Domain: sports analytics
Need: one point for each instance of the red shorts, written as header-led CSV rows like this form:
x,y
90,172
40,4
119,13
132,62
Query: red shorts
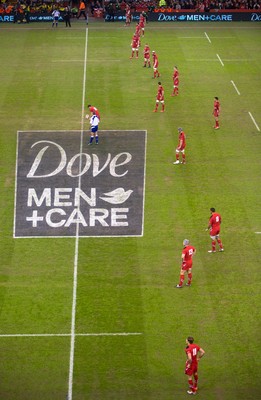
x,y
181,148
186,265
193,369
160,98
214,232
216,113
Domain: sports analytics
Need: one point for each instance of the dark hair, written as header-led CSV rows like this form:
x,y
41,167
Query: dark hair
x,y
190,339
212,209
216,98
159,83
89,105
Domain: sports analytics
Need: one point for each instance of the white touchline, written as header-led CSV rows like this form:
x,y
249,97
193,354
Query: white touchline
x,y
236,89
258,233
253,119
221,62
207,37
75,272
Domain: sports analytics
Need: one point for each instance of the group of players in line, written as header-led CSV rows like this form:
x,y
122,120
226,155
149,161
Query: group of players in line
x,y
135,45
193,351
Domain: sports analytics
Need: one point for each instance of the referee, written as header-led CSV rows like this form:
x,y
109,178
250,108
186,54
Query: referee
x,y
94,122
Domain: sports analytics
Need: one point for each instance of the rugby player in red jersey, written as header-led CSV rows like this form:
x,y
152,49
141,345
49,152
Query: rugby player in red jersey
x,y
186,263
181,147
135,46
194,353
94,110
142,23
160,98
146,54
216,112
175,78
214,227
155,62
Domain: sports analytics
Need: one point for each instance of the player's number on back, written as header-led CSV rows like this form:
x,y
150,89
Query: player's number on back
x,y
194,352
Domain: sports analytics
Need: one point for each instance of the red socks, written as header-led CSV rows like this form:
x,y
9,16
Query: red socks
x,y
220,243
181,280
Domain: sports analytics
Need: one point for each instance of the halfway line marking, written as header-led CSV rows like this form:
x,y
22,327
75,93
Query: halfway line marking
x,y
221,62
62,61
69,334
253,119
207,37
75,269
236,89
96,60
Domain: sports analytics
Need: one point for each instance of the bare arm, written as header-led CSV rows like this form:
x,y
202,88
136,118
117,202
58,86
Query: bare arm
x,y
201,353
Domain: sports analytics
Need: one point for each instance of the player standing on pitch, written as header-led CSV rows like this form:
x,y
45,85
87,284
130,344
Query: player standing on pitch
x,y
155,62
181,147
175,78
186,263
216,112
194,353
94,110
135,46
214,227
146,54
160,98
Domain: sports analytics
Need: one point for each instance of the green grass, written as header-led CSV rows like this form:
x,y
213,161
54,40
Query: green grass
x,y
128,284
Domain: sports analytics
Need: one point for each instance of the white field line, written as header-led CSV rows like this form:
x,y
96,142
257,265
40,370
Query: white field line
x,y
75,272
223,37
207,37
69,334
236,89
70,37
221,62
202,60
63,61
237,59
191,37
254,122
81,61
258,233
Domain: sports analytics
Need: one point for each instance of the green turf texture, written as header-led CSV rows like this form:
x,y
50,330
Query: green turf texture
x,y
128,284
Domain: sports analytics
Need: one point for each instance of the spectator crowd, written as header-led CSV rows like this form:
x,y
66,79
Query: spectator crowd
x,y
47,6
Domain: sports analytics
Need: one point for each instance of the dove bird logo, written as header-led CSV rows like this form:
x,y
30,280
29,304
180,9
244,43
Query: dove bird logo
x,y
117,196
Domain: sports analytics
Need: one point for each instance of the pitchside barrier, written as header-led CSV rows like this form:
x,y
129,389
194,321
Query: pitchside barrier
x,y
181,16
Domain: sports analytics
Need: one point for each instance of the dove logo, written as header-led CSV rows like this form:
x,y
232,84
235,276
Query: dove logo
x,y
117,196
73,164
97,192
